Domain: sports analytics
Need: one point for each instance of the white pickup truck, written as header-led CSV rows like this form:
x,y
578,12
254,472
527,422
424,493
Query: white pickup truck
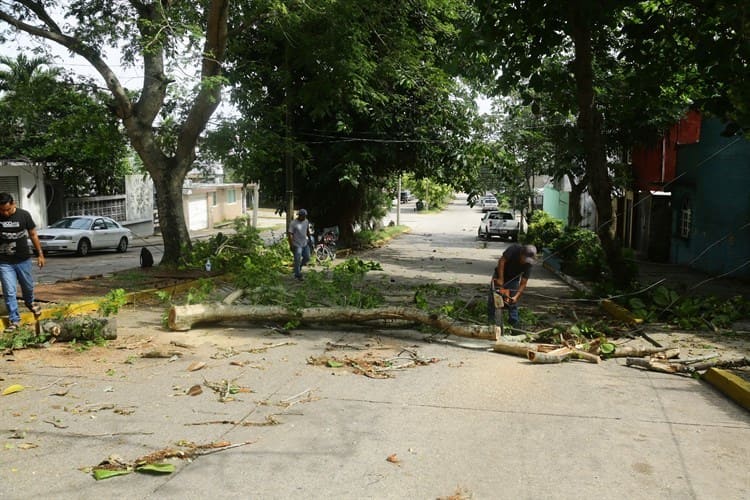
x,y
501,224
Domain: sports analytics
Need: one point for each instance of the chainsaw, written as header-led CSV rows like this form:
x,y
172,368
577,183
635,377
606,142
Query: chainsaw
x,y
501,296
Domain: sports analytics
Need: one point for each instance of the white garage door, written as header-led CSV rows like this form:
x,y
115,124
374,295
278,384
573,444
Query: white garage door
x,y
197,214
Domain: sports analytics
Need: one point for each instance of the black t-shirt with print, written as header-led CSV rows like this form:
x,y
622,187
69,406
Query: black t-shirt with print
x,y
14,236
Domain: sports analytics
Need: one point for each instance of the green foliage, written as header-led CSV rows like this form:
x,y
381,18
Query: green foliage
x,y
689,313
353,94
435,195
543,230
201,292
113,301
40,107
21,338
341,285
368,238
581,253
425,295
243,253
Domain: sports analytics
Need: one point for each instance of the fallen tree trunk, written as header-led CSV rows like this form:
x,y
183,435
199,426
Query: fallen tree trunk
x,y
182,318
80,328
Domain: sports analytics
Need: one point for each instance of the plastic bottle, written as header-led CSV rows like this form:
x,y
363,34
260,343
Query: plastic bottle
x,y
208,265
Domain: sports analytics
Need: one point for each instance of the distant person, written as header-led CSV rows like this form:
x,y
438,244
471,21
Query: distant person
x,y
511,276
16,229
299,237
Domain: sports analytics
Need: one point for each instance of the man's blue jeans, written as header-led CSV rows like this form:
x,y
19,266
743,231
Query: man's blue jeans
x,y
511,285
9,275
301,257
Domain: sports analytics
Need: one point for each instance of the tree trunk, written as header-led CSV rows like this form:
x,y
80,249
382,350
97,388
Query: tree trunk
x,y
182,318
574,201
590,123
171,215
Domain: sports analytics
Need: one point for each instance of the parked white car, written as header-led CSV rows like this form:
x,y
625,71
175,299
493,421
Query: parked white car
x,y
488,203
84,233
501,224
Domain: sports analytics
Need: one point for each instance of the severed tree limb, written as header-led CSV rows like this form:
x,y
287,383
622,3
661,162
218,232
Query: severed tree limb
x,y
521,348
560,355
234,296
625,351
182,318
676,366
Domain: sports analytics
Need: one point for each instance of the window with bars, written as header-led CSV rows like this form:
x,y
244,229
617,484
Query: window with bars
x,y
686,219
108,206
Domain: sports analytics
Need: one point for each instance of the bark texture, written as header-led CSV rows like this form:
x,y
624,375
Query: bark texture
x,y
182,318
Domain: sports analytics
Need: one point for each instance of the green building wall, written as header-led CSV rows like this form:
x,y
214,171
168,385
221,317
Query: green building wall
x,y
713,183
556,203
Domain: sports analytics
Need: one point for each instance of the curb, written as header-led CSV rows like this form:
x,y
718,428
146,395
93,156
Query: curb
x,y
91,306
732,386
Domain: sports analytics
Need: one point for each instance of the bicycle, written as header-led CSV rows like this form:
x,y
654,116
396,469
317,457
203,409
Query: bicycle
x,y
325,250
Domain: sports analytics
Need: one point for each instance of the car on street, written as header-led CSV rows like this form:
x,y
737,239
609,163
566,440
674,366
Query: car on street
x,y
83,233
500,224
488,203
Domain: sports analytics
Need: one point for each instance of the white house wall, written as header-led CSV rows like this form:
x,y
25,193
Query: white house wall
x,y
31,189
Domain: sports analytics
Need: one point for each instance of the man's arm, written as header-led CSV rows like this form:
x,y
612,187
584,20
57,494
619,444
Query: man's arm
x,y
500,281
521,288
38,246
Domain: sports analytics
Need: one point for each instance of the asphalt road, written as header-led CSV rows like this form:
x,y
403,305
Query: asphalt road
x,y
68,266
468,423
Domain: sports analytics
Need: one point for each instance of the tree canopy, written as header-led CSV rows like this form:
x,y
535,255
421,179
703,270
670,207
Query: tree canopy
x,y
349,93
65,125
162,122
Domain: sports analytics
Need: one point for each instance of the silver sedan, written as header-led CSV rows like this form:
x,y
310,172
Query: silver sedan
x,y
83,233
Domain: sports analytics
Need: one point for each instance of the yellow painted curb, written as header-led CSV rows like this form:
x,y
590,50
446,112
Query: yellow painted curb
x,y
620,313
90,306
732,386
83,307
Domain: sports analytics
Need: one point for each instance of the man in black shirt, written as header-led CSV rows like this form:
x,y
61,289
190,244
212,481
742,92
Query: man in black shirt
x,y
16,228
511,276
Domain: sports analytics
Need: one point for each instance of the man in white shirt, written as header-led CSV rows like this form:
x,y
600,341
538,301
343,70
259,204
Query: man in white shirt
x,y
298,236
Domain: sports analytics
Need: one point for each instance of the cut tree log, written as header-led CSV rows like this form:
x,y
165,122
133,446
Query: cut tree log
x,y
182,318
80,328
560,355
521,348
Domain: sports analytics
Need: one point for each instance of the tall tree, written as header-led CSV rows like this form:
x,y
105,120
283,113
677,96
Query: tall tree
x,y
510,46
159,34
350,93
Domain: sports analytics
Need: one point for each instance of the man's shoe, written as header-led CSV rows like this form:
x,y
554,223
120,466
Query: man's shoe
x,y
12,327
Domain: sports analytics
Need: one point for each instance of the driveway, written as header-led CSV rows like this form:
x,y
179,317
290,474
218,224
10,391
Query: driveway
x,y
463,423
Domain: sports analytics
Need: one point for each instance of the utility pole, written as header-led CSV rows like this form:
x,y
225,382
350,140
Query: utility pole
x,y
289,168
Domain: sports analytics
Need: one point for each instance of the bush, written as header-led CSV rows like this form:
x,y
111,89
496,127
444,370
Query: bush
x,y
543,230
581,253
